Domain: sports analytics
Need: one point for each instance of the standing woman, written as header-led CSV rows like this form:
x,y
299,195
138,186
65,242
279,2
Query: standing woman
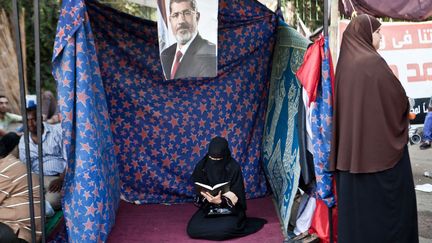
x,y
375,188
217,167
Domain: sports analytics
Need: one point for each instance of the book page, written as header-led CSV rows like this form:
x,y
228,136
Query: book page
x,y
219,185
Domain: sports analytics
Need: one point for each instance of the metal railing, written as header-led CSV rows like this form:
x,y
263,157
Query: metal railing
x,y
24,115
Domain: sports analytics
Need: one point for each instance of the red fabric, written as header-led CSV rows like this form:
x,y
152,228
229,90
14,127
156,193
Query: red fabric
x,y
320,222
309,72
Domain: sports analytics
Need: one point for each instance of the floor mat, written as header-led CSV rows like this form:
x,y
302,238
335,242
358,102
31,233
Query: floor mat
x,y
167,223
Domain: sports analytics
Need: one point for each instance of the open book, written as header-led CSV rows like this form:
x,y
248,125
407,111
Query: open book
x,y
224,187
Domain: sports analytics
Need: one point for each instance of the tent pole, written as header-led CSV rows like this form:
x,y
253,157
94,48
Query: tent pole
x,y
24,115
326,34
326,17
39,113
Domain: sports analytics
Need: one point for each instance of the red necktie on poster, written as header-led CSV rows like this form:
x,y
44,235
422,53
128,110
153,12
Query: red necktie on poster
x,y
179,55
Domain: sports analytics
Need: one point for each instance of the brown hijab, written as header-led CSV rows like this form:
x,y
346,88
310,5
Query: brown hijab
x,y
370,124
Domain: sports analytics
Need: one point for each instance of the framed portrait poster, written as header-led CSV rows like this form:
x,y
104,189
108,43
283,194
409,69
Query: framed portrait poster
x,y
187,32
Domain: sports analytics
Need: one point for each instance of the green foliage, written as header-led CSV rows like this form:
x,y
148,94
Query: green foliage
x,y
48,16
132,9
309,11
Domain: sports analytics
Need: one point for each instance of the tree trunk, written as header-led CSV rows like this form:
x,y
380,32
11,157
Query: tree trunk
x,y
333,30
9,83
289,13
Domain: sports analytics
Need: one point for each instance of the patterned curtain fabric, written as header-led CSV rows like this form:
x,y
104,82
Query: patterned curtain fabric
x,y
280,143
91,189
317,76
129,132
412,10
321,124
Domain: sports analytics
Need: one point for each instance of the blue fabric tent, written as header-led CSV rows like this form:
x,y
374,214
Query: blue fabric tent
x,y
129,133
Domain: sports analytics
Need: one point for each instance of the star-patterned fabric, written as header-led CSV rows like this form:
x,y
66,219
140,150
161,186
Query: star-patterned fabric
x,y
321,125
280,143
91,189
129,132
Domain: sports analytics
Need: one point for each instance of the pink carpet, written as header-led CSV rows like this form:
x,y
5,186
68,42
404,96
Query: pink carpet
x,y
167,223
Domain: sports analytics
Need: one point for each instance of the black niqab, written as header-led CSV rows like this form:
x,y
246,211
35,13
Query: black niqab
x,y
212,172
218,148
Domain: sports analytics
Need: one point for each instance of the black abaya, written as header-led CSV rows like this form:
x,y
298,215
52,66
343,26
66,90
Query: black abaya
x,y
212,172
383,204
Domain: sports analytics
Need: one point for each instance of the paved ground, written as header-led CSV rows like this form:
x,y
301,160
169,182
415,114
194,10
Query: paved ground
x,y
421,161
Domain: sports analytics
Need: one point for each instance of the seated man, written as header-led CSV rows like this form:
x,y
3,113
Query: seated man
x,y
427,129
6,118
14,198
54,162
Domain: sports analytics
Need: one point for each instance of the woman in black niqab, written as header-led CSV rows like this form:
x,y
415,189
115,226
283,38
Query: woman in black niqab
x,y
217,167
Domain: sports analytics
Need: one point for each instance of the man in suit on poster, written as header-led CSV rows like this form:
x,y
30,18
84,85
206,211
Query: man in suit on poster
x,y
191,56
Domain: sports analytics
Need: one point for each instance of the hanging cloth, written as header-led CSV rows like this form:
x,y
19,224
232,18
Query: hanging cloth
x,y
309,72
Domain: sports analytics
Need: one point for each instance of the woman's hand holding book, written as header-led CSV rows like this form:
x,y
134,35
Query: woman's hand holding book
x,y
212,199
